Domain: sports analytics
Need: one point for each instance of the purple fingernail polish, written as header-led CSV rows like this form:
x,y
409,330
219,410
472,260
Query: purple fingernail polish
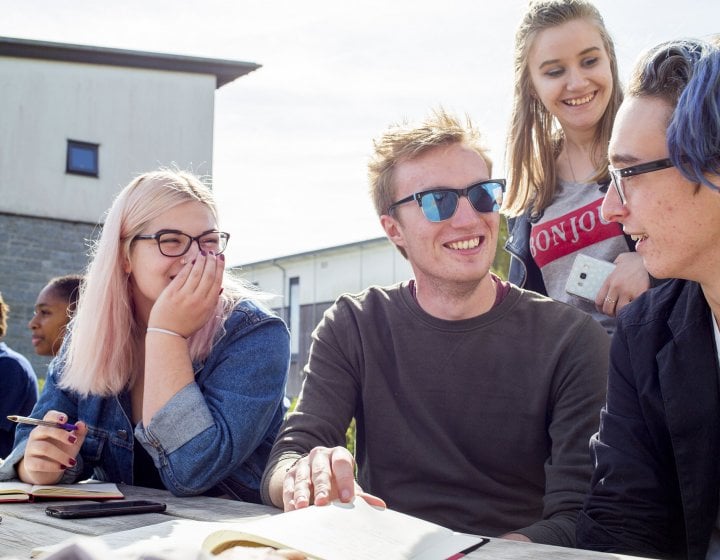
x,y
221,256
203,253
72,439
72,462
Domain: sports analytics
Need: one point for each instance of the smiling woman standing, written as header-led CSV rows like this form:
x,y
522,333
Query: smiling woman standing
x,y
54,306
567,92
173,372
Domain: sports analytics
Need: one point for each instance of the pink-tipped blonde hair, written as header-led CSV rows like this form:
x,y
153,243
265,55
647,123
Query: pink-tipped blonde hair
x,y
101,349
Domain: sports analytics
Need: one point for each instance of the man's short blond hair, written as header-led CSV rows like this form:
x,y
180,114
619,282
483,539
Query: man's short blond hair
x,y
406,141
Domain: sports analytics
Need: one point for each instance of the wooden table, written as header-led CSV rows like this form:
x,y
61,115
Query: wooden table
x,y
25,527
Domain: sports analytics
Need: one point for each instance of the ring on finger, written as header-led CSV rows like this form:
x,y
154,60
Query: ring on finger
x,y
610,300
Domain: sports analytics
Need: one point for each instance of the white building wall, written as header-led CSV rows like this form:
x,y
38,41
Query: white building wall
x,y
327,273
323,275
142,119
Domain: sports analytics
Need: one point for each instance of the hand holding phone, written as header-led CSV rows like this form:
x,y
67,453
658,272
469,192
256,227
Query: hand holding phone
x,y
587,276
119,507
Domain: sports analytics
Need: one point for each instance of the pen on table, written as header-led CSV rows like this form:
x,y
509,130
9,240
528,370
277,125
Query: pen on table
x,y
468,550
36,422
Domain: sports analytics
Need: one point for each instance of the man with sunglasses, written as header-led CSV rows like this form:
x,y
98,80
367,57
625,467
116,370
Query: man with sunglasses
x,y
655,490
474,400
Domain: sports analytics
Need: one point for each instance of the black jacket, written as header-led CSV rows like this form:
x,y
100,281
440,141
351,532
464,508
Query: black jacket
x,y
655,486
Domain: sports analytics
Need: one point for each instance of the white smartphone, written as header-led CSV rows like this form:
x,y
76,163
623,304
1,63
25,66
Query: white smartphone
x,y
586,276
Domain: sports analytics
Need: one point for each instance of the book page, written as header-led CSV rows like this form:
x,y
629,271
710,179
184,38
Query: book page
x,y
89,489
355,531
82,489
15,487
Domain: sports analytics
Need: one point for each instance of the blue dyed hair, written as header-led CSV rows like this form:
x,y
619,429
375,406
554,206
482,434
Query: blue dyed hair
x,y
686,74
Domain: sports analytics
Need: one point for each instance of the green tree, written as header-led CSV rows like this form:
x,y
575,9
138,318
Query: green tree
x,y
501,264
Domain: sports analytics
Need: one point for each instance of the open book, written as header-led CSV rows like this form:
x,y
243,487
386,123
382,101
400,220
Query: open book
x,y
355,531
16,491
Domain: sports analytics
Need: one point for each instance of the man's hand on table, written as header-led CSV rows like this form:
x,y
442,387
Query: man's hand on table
x,y
324,475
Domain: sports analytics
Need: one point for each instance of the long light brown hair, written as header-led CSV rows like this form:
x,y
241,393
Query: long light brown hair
x,y
535,138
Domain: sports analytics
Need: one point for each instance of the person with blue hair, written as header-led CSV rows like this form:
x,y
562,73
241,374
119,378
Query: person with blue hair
x,y
656,486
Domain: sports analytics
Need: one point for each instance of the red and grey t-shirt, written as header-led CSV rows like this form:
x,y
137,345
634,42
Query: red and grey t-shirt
x,y
573,224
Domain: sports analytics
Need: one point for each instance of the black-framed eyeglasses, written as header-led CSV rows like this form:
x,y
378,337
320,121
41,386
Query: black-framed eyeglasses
x,y
618,175
440,203
174,243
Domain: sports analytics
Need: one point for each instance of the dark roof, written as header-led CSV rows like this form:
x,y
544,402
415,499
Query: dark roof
x,y
225,71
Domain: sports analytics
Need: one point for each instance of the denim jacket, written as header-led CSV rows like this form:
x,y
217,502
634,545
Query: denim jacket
x,y
523,272
213,436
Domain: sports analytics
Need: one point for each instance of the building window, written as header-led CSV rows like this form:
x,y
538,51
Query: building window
x,y
82,158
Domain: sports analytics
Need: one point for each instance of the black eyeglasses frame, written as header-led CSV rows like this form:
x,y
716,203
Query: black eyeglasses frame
x,y
617,175
156,236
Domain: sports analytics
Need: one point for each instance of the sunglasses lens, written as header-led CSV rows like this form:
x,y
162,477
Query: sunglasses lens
x,y
487,197
439,205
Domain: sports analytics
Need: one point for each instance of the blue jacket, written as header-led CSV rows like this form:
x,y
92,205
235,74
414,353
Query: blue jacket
x,y
655,486
523,272
18,392
213,436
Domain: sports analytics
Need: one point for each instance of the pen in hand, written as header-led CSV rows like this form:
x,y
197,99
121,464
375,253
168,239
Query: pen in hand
x,y
36,422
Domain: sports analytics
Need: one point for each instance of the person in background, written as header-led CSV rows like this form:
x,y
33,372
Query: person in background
x,y
567,92
656,483
474,400
18,385
54,306
173,372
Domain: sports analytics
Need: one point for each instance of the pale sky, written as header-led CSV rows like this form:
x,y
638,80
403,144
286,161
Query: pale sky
x,y
292,139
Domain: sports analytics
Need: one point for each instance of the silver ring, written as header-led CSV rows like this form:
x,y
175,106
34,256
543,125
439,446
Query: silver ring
x,y
610,300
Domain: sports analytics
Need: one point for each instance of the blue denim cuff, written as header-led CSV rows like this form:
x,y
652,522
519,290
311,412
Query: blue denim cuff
x,y
7,466
170,429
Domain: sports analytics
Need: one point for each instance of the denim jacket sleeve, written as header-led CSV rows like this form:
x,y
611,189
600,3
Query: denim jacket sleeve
x,y
52,398
214,425
523,271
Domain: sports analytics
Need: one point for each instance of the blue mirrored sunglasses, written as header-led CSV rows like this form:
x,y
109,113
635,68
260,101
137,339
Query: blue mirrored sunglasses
x,y
441,203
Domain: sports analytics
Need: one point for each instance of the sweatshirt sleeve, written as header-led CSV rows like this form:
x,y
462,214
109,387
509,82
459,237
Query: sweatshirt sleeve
x,y
578,393
326,404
